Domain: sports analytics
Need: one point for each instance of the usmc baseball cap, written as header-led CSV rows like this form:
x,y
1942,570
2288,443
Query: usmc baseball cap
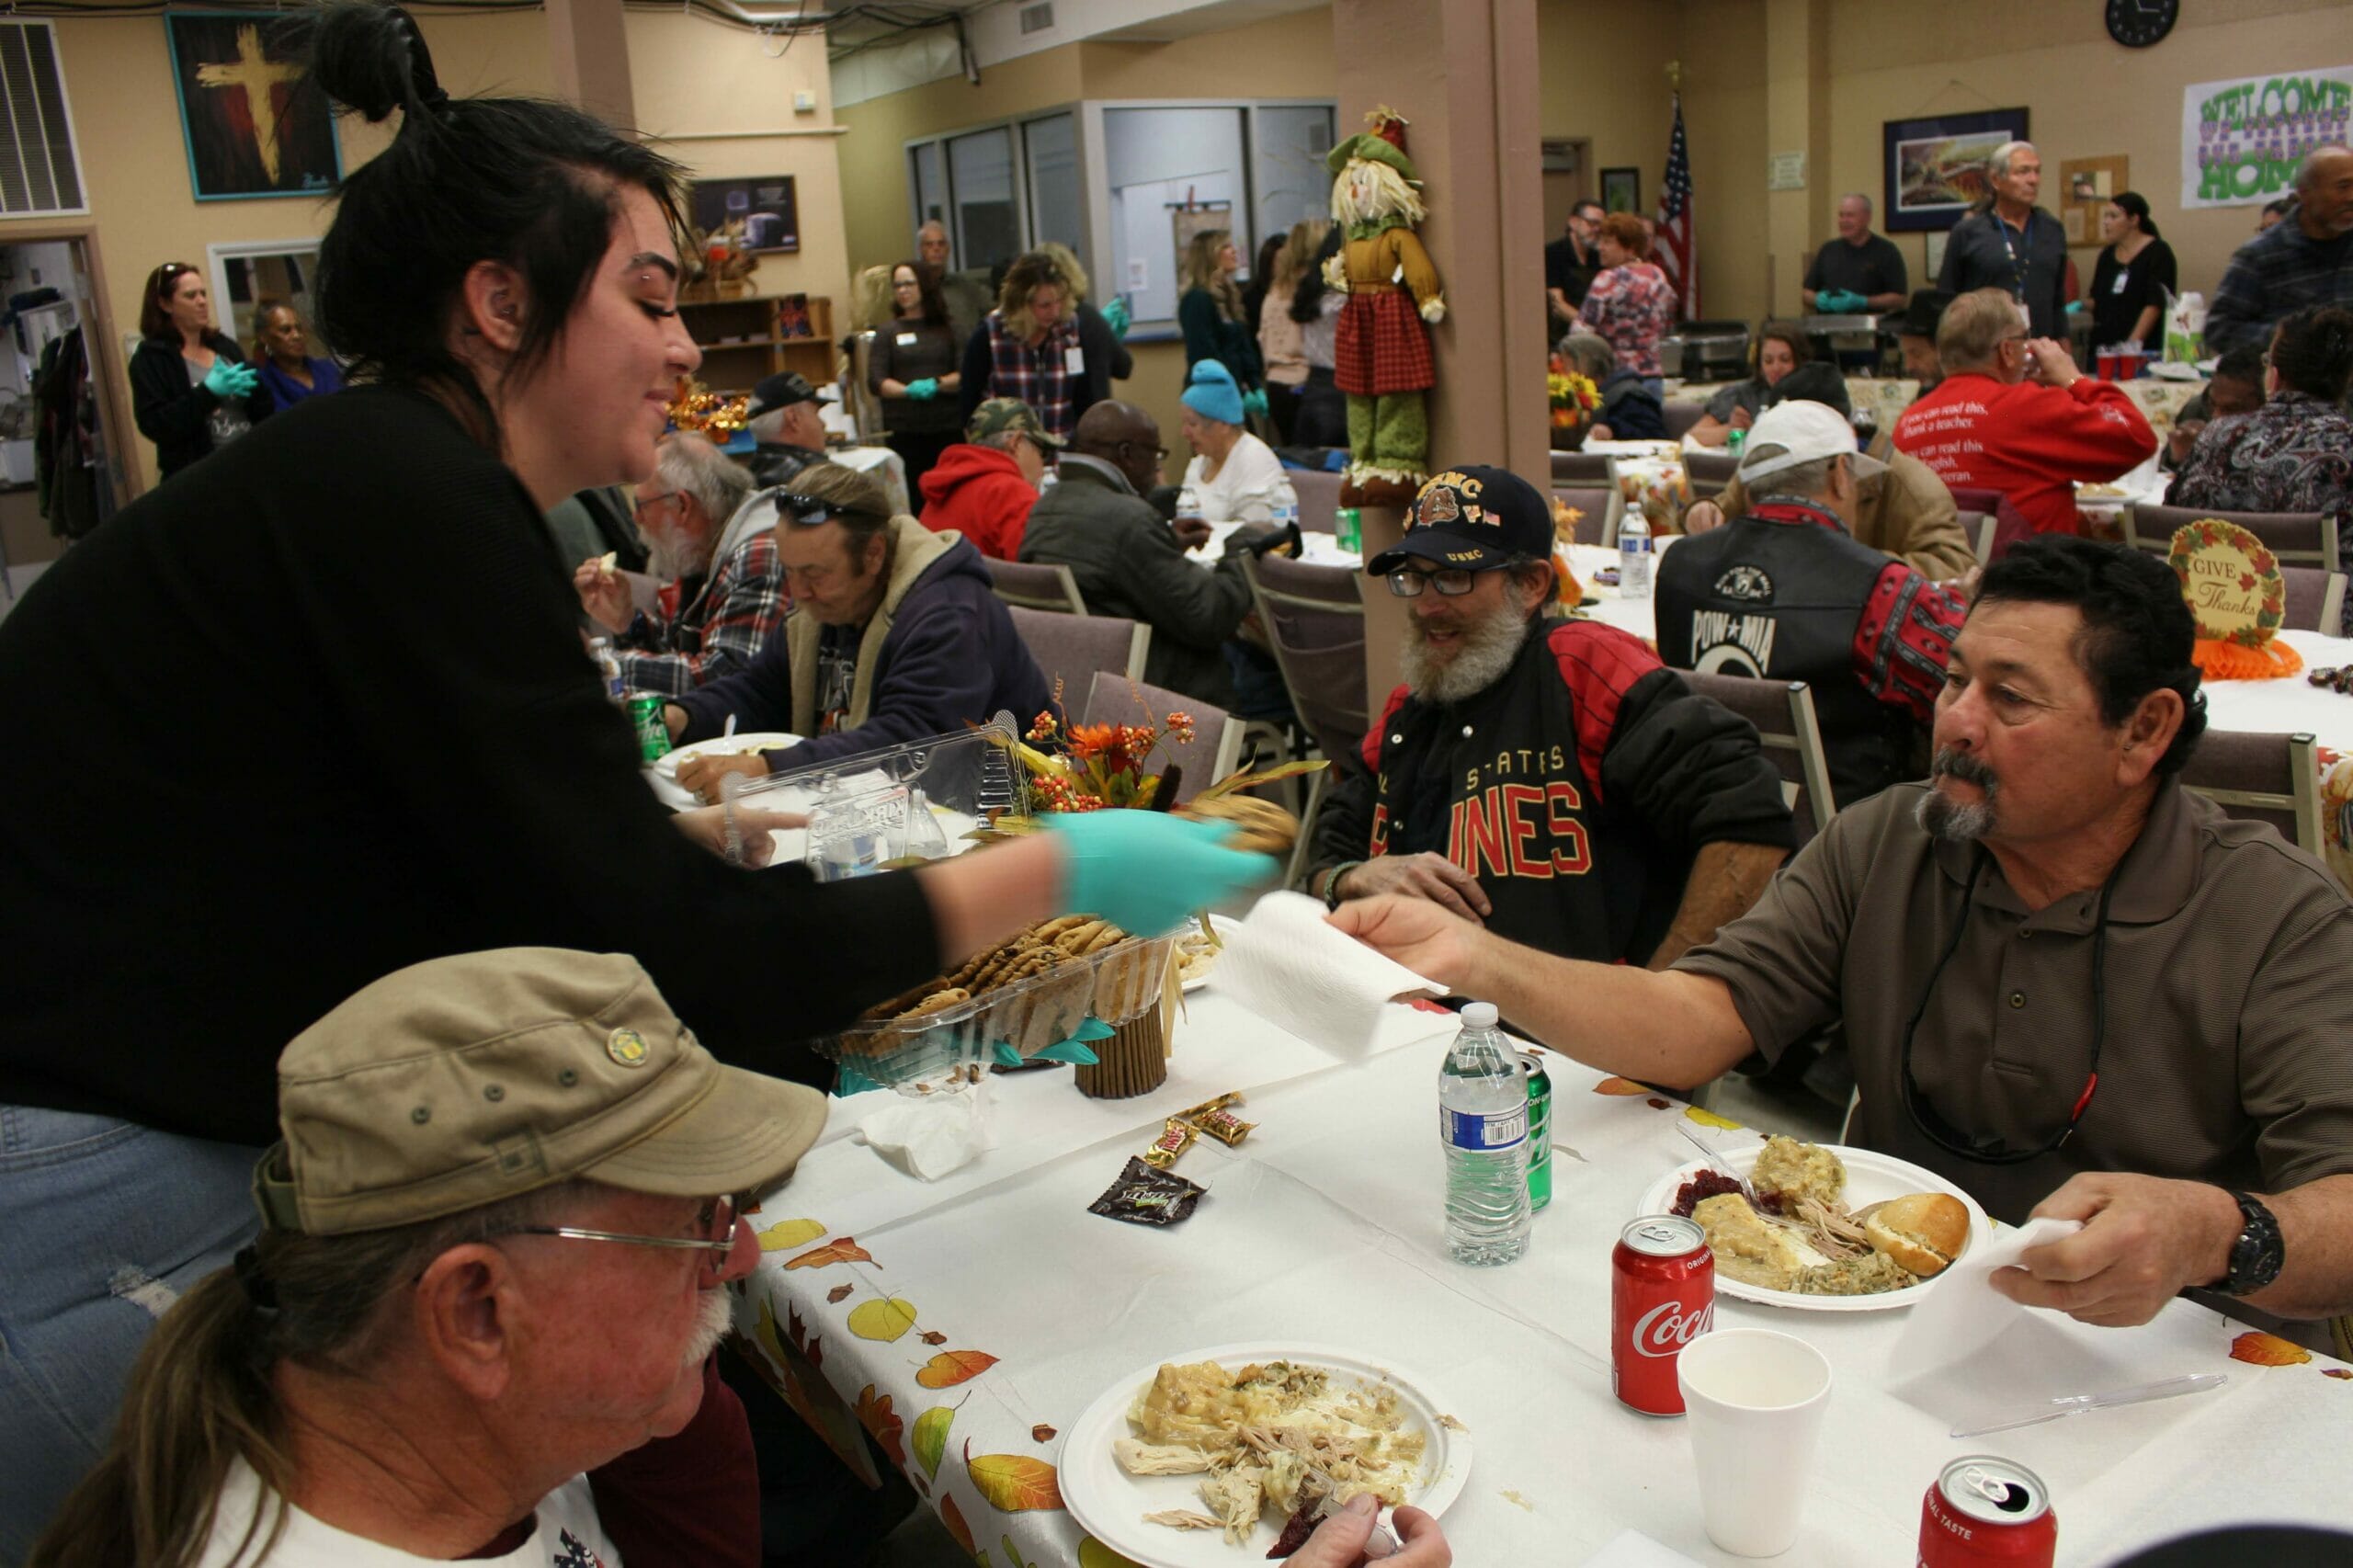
x,y
1794,432
1468,519
998,415
469,1080
779,391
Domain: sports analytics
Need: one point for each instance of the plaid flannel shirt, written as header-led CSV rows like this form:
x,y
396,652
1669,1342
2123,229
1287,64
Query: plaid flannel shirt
x,y
2274,275
1039,376
677,648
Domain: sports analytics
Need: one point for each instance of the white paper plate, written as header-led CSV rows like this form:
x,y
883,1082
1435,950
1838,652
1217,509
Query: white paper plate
x,y
1225,926
1109,1504
1871,1179
666,765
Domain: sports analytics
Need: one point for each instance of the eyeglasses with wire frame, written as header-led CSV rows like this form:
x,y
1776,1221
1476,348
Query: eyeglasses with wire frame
x,y
716,1220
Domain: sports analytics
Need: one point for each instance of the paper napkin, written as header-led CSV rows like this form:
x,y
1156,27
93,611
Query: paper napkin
x,y
1286,965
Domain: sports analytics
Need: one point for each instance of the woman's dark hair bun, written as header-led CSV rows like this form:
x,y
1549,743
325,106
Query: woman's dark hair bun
x,y
371,59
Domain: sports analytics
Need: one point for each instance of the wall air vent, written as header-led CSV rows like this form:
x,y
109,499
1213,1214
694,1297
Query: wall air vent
x,y
1036,18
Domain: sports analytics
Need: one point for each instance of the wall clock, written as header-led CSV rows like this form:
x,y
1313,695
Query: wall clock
x,y
2137,24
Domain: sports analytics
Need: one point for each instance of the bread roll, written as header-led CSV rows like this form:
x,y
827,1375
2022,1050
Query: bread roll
x,y
1921,1231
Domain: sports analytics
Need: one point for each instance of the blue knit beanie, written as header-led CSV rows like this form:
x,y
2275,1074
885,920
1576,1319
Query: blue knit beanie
x,y
1212,392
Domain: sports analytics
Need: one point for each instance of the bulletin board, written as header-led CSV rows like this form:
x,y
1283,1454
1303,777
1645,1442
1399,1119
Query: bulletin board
x,y
2086,184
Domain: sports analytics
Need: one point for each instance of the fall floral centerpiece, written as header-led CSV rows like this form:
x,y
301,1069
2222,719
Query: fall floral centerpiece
x,y
1113,767
1573,398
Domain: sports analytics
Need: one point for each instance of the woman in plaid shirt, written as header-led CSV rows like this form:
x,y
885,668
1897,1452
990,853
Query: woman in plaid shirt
x,y
1027,348
1631,305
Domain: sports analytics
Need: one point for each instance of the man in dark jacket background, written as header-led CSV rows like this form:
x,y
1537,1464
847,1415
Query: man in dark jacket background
x,y
786,434
1548,779
1128,559
896,633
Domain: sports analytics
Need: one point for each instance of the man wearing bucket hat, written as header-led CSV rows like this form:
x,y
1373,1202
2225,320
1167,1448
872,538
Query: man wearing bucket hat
x,y
493,1243
1786,591
1551,779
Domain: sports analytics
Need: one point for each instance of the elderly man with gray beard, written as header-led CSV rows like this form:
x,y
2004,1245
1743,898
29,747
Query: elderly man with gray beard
x,y
719,588
1548,777
2068,985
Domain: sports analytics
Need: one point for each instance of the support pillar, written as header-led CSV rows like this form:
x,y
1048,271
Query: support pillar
x,y
1465,76
588,52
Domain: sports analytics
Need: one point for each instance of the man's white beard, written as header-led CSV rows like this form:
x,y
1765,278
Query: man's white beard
x,y
669,559
718,1309
1489,645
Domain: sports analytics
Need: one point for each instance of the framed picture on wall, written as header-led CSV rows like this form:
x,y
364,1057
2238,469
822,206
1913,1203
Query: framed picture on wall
x,y
1934,169
764,204
1621,190
253,122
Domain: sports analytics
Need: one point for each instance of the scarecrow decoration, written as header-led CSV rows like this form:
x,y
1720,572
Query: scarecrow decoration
x,y
1382,351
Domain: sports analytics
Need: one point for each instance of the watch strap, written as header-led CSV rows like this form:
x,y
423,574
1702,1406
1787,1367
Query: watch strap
x,y
1332,883
2259,1254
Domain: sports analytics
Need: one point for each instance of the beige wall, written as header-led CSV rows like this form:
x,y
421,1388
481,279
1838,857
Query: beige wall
x,y
1723,122
690,75
2086,97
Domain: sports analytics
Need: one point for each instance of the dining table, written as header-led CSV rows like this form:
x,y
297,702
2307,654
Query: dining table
x,y
965,1325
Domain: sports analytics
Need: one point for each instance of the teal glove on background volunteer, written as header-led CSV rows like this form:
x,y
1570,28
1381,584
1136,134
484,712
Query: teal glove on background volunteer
x,y
1146,870
925,390
1255,402
1115,312
229,379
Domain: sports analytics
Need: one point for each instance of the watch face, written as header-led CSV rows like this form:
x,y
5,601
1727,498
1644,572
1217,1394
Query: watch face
x,y
2137,24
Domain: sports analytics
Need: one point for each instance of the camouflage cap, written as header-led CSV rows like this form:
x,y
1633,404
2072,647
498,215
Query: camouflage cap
x,y
999,414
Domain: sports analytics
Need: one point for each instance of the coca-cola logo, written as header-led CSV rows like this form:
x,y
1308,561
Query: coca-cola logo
x,y
1666,1329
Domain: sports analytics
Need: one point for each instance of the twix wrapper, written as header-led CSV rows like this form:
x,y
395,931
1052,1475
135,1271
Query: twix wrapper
x,y
1175,1139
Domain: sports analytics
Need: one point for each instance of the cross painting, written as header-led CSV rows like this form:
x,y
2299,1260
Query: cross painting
x,y
255,124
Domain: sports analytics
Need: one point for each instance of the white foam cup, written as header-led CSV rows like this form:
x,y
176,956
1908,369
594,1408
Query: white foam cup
x,y
1753,1401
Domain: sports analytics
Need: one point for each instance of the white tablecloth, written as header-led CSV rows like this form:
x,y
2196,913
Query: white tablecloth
x,y
1317,549
1327,1227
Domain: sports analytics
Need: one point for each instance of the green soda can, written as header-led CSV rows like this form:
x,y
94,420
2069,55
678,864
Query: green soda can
x,y
1348,525
1540,1131
652,731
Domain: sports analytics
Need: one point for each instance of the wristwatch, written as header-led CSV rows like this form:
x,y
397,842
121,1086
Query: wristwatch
x,y
2259,1254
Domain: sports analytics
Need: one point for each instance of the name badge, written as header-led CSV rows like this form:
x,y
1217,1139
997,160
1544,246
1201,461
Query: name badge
x,y
905,340
1074,361
2122,278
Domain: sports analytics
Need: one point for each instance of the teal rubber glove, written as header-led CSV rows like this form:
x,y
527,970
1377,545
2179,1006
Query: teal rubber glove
x,y
229,379
1144,872
1115,312
925,390
1255,402
2074,307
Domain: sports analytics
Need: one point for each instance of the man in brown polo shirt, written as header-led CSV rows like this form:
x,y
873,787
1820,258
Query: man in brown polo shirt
x,y
2067,986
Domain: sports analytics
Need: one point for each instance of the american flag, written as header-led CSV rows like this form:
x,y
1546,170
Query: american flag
x,y
1674,254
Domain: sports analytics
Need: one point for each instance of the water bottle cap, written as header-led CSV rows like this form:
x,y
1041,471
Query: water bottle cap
x,y
1479,1016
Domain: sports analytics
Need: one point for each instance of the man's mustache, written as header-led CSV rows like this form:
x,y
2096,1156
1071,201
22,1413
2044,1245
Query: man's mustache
x,y
1964,766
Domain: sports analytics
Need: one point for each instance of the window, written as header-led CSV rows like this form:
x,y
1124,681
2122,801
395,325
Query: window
x,y
40,170
1052,147
986,226
930,185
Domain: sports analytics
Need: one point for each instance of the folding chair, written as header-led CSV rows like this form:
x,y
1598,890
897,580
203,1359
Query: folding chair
x,y
2303,538
2267,778
1314,618
1215,749
2315,599
1783,714
1033,586
1071,648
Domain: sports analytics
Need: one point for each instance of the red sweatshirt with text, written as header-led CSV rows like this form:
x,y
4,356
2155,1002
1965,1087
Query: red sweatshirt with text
x,y
2026,441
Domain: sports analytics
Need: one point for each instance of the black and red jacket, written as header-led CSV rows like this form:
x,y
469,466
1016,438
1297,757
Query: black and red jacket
x,y
1576,788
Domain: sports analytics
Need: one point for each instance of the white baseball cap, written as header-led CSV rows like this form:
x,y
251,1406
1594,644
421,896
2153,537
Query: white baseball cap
x,y
1794,432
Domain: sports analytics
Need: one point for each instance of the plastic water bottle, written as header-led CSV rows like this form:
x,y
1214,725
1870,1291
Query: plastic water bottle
x,y
609,667
1634,556
1285,512
1483,1123
1189,502
1048,480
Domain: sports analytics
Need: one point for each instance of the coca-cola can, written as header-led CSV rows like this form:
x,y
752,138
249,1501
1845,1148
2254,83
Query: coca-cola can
x,y
1662,1296
1987,1510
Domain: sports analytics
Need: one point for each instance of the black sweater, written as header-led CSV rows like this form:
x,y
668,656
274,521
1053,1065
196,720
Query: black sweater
x,y
316,710
176,414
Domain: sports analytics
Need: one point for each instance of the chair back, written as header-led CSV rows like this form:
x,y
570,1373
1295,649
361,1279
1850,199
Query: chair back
x,y
1313,618
1593,505
1979,526
2301,539
1319,498
1783,714
1580,468
2315,600
1027,584
2011,526
1071,649
1682,417
1710,471
1215,749
2269,778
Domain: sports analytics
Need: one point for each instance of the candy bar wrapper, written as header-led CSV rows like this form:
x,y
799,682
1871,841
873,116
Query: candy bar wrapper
x,y
1231,1096
1145,1196
1175,1139
1224,1126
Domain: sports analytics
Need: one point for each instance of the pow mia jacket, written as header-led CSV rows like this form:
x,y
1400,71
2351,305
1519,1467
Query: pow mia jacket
x,y
1576,788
